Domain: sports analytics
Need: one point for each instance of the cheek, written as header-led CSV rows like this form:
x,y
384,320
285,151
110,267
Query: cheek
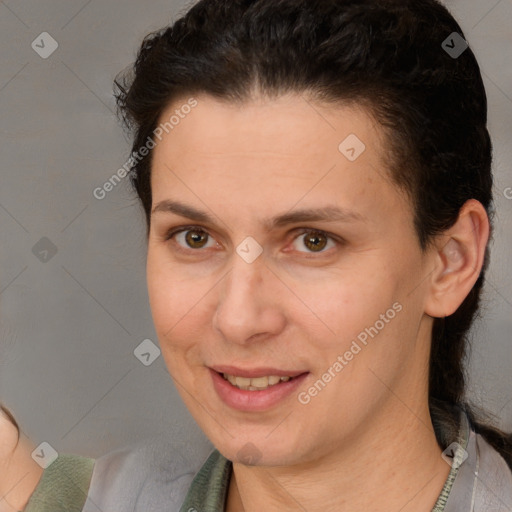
x,y
175,301
344,302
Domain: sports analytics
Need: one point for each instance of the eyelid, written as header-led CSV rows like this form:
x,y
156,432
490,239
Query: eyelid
x,y
301,231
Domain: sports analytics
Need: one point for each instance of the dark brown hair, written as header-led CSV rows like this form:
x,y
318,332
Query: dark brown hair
x,y
386,55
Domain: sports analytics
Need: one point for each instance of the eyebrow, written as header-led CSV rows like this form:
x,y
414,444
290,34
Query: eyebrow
x,y
325,214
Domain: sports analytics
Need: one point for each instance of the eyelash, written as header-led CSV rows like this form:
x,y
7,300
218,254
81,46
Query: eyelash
x,y
175,231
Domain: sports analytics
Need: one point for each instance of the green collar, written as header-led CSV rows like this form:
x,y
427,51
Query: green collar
x,y
63,486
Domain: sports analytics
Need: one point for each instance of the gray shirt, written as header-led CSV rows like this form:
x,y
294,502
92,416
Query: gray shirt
x,y
161,475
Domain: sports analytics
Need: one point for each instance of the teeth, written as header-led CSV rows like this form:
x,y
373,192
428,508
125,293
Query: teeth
x,y
255,384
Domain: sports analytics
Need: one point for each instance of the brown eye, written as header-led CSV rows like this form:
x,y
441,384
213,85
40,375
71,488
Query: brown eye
x,y
190,238
315,241
196,239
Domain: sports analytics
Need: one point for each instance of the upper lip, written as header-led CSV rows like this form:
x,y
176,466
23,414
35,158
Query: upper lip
x,y
256,372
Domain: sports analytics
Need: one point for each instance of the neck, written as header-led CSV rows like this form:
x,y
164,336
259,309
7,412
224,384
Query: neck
x,y
393,464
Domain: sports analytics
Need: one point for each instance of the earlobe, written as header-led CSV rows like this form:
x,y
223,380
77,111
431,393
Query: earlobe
x,y
459,258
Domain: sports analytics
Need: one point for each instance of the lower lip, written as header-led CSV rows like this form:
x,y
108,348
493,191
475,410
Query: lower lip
x,y
245,400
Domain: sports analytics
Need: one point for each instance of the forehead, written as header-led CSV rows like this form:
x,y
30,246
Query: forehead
x,y
272,151
288,125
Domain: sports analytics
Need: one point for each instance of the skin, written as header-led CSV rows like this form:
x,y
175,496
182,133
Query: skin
x,y
19,473
366,441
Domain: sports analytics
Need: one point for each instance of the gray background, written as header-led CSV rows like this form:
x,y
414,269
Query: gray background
x,y
69,326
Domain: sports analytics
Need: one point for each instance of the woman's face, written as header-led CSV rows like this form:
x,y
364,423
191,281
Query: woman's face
x,y
303,260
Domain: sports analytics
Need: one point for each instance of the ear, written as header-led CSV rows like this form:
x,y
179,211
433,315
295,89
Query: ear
x,y
459,256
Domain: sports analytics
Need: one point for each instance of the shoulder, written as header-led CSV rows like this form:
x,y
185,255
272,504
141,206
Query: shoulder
x,y
483,481
493,479
63,486
152,475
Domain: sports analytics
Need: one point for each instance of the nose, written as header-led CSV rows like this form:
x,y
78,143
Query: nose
x,y
248,303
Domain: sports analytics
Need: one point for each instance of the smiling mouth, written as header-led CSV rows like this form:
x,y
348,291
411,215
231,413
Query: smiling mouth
x,y
256,383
